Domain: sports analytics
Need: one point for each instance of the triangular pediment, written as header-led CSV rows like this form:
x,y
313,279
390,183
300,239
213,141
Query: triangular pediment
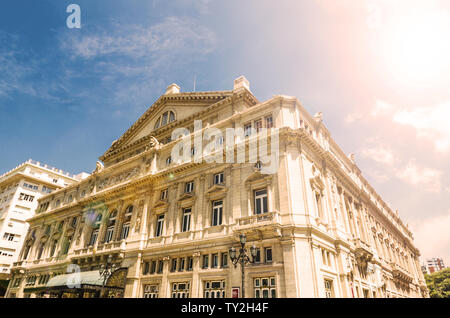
x,y
183,105
161,203
216,188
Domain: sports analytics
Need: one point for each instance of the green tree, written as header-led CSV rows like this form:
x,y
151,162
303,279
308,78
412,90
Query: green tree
x,y
439,283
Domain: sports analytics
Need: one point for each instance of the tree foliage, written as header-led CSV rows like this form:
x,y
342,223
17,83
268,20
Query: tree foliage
x,y
439,283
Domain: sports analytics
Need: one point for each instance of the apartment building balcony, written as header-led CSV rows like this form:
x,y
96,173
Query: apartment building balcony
x,y
266,222
401,274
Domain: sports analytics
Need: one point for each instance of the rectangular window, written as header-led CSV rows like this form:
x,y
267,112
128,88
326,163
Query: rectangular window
x,y
261,205
153,267
205,261
160,266
189,187
247,130
67,243
218,178
258,125
159,225
151,291
328,288
164,194
216,218
109,234
174,265
180,290
93,239
214,289
265,287
182,265
125,230
224,260
269,122
146,268
268,254
186,224
215,260
189,263
258,255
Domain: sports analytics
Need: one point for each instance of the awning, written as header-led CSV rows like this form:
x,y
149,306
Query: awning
x,y
74,280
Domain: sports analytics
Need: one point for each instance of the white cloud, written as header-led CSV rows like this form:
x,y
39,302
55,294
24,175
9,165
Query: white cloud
x,y
391,165
135,41
414,174
380,154
432,236
381,108
353,117
430,122
131,61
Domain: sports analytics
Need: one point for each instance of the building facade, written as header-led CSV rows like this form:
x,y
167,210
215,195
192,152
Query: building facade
x,y
319,228
433,265
20,190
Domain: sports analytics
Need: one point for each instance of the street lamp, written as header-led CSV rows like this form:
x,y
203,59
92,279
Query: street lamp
x,y
106,271
242,258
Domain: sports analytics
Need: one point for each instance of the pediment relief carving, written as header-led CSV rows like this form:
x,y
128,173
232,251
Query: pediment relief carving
x,y
258,179
118,178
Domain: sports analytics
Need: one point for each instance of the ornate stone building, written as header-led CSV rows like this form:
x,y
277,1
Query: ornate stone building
x,y
319,228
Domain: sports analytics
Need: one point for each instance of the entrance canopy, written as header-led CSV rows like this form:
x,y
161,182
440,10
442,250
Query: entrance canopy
x,y
76,280
87,284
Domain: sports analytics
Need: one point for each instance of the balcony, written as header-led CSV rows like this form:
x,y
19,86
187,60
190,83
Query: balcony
x,y
270,222
110,247
363,253
401,274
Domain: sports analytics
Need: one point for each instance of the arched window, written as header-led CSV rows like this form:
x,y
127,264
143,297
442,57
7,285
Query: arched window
x,y
166,118
126,222
27,251
95,230
53,247
111,223
40,250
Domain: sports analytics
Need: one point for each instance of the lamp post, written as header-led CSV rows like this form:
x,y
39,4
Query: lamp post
x,y
105,271
242,258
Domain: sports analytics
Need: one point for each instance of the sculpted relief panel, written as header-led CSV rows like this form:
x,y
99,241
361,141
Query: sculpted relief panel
x,y
118,178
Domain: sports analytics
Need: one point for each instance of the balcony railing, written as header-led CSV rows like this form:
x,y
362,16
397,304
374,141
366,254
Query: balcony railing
x,y
400,273
363,250
259,220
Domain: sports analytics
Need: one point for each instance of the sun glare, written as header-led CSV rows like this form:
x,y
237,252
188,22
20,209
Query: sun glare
x,y
418,47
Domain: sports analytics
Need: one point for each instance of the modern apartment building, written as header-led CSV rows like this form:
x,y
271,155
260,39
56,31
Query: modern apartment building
x,y
20,189
316,226
434,265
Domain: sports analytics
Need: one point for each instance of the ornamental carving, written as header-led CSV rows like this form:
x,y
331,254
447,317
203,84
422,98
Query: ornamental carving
x,y
118,178
98,167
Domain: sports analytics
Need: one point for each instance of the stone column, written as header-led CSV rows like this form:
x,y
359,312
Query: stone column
x,y
195,285
165,288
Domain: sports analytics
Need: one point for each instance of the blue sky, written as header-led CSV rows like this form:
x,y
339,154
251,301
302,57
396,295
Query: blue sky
x,y
378,70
